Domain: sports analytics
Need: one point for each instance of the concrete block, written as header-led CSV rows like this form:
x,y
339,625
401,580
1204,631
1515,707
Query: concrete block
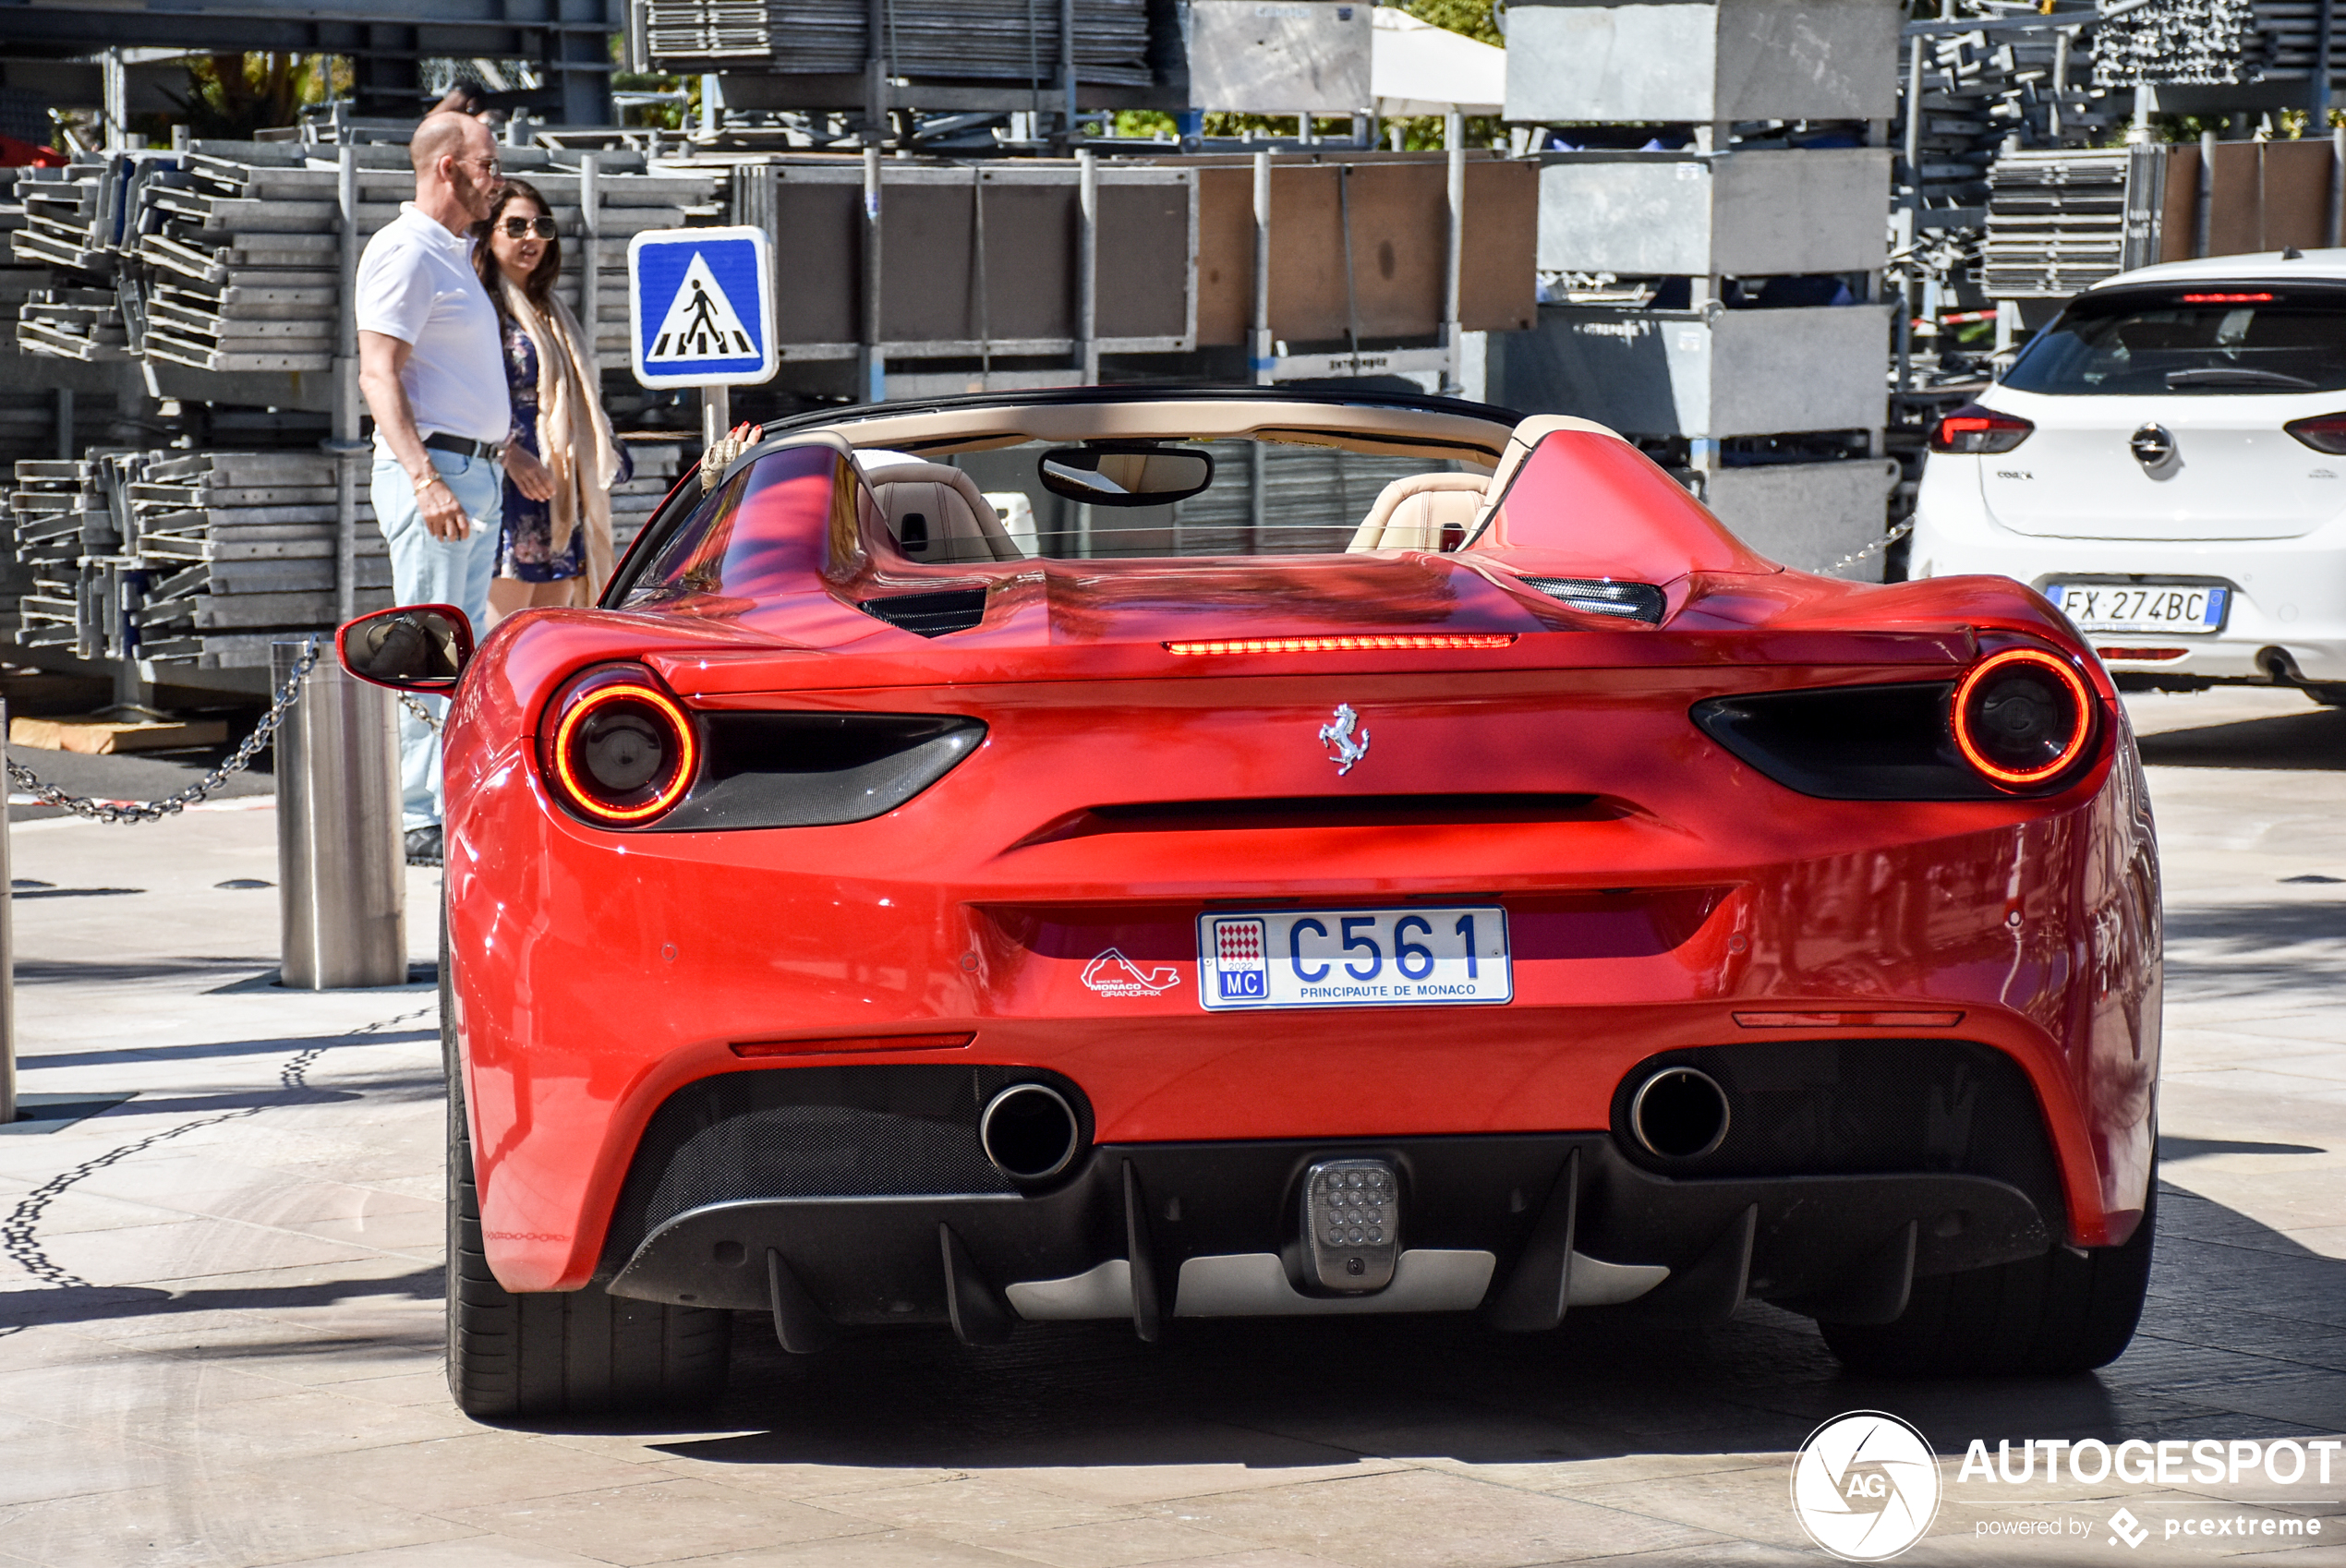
x,y
1748,214
1732,60
1300,56
1700,374
1808,516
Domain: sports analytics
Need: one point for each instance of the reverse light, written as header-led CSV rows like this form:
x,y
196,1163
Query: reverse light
x,y
620,752
2022,717
1364,642
1973,430
2323,432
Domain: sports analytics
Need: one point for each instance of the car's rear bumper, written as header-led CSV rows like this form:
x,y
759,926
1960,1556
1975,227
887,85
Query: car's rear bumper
x,y
1520,1226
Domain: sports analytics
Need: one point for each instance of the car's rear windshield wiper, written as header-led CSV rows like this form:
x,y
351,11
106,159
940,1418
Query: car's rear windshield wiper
x,y
2238,375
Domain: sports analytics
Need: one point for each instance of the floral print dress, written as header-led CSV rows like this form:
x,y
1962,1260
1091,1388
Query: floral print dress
x,y
526,541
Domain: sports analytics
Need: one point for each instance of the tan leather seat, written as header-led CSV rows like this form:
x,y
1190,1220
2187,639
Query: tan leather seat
x,y
937,513
1420,512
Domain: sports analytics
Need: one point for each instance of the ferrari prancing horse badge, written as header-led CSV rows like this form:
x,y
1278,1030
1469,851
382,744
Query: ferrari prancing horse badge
x,y
1346,740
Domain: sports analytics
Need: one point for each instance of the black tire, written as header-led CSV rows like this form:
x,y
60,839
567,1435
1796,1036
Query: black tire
x,y
559,1353
2064,1312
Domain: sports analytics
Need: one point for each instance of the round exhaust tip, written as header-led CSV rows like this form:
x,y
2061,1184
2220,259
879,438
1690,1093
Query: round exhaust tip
x,y
1028,1131
1679,1114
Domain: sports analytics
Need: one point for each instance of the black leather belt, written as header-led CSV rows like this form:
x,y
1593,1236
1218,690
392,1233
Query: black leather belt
x,y
441,441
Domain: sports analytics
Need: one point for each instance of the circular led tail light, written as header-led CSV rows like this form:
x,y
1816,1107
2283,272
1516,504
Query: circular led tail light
x,y
2023,717
621,752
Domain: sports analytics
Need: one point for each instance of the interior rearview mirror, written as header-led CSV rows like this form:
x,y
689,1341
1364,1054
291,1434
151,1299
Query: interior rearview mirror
x,y
1135,474
412,647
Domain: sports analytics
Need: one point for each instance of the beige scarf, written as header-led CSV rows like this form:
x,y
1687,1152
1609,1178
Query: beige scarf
x,y
575,439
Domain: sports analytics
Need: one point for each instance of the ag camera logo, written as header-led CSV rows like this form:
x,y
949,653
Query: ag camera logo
x,y
1865,1486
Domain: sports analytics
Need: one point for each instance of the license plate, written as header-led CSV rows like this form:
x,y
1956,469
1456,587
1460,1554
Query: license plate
x,y
1353,957
2141,607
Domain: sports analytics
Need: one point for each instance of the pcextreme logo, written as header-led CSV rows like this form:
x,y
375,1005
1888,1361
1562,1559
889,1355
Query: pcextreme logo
x,y
1865,1486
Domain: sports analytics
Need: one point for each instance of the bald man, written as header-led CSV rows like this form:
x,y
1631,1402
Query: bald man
x,y
433,367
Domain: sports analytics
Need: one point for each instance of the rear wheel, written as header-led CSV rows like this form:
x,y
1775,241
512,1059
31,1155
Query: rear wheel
x,y
2064,1312
564,1352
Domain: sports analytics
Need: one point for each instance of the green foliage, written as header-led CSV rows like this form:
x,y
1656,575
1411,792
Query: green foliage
x,y
231,96
1473,18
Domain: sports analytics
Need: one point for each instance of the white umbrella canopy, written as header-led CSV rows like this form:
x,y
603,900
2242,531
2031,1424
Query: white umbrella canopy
x,y
1416,68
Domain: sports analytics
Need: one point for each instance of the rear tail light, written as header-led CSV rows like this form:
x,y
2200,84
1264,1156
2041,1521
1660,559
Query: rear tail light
x,y
2022,717
2323,432
1972,430
618,750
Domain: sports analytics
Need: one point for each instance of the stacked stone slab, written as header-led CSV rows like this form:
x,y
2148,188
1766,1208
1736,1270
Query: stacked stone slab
x,y
217,267
203,558
1716,344
983,40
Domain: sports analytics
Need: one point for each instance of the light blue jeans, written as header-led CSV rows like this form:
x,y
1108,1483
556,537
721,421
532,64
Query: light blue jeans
x,y
429,571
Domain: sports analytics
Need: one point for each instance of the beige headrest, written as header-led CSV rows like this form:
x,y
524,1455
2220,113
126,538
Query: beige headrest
x,y
897,487
1389,526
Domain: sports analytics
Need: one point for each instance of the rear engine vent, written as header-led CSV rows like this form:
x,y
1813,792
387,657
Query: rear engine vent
x,y
1848,742
1599,596
816,770
930,615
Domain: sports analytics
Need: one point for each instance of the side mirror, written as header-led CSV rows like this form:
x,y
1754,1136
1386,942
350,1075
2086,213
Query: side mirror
x,y
1139,473
412,647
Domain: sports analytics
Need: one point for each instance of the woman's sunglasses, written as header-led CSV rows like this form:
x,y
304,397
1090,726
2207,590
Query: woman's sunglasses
x,y
522,228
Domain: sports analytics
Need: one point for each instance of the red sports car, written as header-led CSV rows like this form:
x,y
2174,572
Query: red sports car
x,y
1157,854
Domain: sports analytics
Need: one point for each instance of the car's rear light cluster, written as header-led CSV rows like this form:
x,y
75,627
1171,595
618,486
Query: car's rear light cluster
x,y
2022,716
618,750
1360,642
2323,432
1972,430
2022,720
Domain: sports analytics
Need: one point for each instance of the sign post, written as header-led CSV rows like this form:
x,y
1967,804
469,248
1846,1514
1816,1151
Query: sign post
x,y
700,313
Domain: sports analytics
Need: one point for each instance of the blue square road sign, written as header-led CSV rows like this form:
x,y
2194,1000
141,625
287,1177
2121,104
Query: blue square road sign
x,y
700,307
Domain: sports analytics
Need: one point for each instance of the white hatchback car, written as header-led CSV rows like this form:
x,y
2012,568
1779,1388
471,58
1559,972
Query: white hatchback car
x,y
2167,463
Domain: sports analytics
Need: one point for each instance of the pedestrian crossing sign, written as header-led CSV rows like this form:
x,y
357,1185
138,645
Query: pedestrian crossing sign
x,y
700,307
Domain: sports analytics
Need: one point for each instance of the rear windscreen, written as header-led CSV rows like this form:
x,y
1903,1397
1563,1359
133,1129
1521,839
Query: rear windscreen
x,y
1263,498
2222,339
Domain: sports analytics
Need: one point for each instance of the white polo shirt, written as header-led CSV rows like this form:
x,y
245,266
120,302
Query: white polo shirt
x,y
416,283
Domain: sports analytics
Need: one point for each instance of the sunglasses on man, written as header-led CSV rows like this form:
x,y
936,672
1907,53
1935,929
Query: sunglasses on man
x,y
522,228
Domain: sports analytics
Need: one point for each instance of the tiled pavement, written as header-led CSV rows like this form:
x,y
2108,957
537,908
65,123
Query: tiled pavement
x,y
220,1302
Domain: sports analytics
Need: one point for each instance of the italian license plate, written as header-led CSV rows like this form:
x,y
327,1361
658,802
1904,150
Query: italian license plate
x,y
2141,607
1353,957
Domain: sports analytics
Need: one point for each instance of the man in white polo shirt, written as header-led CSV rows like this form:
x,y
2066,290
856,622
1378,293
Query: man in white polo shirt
x,y
433,367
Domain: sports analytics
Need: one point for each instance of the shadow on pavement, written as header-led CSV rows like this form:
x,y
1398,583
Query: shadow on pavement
x,y
2315,739
2244,1335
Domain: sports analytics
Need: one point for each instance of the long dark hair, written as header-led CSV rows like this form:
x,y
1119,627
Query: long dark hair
x,y
539,285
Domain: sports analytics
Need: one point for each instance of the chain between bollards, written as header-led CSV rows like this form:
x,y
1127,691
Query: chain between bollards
x,y
1892,538
415,705
155,811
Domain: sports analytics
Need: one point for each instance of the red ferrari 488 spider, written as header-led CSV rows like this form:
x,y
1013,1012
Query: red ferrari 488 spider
x,y
1158,855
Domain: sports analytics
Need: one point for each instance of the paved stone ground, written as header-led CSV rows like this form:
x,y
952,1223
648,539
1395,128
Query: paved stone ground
x,y
220,1302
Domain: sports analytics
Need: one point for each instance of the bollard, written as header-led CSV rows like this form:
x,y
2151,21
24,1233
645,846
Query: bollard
x,y
341,878
7,955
